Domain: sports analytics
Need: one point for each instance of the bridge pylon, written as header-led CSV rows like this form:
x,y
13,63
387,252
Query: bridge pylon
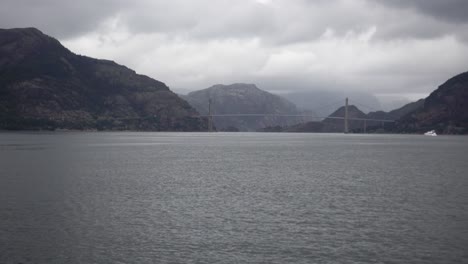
x,y
346,128
210,116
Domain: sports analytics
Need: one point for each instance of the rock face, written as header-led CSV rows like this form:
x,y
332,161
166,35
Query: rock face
x,y
45,86
244,99
445,110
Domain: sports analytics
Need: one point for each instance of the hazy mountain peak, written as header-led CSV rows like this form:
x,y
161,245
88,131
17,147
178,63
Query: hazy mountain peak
x,y
30,32
234,89
243,86
241,98
353,112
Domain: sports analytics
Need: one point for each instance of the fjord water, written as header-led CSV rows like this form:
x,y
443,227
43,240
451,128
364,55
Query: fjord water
x,y
232,198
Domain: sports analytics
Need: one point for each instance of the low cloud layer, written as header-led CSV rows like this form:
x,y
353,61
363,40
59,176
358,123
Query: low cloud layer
x,y
385,47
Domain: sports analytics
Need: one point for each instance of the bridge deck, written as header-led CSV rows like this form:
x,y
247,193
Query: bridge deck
x,y
294,115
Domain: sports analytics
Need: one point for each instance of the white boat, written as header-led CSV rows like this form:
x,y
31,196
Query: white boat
x,y
431,133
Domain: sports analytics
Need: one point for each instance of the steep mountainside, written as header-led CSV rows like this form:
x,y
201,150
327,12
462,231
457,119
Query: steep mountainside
x,y
243,99
445,110
45,86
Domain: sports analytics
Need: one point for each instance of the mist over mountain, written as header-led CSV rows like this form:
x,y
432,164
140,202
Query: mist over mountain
x,y
242,98
325,102
392,102
396,114
45,86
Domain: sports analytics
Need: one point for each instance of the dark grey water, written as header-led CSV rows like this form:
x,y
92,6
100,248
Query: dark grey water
x,y
232,198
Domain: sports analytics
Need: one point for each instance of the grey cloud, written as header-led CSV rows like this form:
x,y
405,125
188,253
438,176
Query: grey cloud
x,y
454,11
62,19
281,22
279,44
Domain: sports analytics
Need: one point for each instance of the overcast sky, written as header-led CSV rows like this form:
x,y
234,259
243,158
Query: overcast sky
x,y
385,47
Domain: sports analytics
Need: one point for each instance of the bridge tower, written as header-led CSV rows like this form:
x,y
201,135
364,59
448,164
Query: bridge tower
x,y
210,116
346,128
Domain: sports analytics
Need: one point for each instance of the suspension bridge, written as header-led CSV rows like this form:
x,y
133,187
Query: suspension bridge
x,y
346,118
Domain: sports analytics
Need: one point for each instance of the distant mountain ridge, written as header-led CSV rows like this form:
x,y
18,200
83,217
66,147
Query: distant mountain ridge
x,y
43,85
329,124
240,98
356,123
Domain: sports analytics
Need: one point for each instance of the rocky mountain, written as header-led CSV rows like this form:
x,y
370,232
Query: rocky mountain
x,y
243,99
445,110
43,85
